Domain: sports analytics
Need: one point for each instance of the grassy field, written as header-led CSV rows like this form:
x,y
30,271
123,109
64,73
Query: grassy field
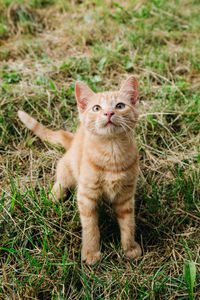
x,y
45,46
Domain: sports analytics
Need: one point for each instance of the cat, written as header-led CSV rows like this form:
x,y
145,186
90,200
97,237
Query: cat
x,y
102,160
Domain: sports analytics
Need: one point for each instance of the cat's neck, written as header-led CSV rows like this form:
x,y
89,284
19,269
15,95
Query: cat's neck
x,y
122,142
115,149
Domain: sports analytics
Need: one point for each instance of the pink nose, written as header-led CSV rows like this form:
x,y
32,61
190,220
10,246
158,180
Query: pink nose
x,y
109,114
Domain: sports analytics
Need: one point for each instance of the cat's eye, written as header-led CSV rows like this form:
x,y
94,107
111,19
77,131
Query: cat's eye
x,y
120,105
96,108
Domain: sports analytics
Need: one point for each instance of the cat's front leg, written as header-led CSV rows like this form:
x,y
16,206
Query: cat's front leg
x,y
125,212
88,206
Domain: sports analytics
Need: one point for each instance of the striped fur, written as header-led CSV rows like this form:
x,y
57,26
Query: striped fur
x,y
102,160
54,137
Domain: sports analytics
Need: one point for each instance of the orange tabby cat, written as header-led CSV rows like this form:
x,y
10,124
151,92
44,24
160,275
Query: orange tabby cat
x,y
102,160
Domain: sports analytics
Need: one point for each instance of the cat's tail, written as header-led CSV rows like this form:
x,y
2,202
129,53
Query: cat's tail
x,y
63,137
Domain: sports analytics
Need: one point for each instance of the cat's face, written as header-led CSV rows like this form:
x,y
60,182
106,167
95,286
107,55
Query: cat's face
x,y
108,113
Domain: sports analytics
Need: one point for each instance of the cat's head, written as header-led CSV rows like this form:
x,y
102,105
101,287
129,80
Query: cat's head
x,y
108,113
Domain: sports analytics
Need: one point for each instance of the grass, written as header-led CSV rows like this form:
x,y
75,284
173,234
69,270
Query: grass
x,y
45,47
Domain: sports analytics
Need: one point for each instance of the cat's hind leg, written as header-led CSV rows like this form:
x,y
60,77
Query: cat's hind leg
x,y
64,179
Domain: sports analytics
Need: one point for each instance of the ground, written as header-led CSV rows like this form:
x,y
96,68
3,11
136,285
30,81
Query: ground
x,y
45,46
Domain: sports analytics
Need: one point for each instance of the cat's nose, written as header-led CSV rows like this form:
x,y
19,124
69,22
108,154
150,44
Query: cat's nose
x,y
109,114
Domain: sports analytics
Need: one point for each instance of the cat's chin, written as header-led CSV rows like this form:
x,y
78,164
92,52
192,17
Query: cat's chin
x,y
109,131
109,123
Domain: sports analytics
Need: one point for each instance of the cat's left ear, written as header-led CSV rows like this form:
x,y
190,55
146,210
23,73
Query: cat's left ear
x,y
83,94
130,88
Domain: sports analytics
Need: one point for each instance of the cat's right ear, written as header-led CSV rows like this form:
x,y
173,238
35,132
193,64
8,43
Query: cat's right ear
x,y
83,94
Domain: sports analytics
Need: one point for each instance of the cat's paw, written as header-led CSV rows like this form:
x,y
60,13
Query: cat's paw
x,y
90,257
134,252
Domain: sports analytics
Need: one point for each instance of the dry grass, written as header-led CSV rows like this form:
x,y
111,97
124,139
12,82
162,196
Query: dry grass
x,y
45,48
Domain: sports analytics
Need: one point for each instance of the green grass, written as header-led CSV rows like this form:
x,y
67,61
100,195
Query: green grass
x,y
45,47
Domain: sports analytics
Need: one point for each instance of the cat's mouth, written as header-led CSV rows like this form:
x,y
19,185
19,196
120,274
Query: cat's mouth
x,y
109,123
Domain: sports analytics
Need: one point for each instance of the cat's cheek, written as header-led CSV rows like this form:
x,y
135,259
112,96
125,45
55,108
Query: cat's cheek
x,y
86,121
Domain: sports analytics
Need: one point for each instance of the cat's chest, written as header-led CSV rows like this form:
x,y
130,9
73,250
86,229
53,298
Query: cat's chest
x,y
112,166
117,174
113,159
112,184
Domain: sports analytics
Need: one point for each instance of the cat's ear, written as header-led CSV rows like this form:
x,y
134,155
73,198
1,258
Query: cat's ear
x,y
83,93
130,88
